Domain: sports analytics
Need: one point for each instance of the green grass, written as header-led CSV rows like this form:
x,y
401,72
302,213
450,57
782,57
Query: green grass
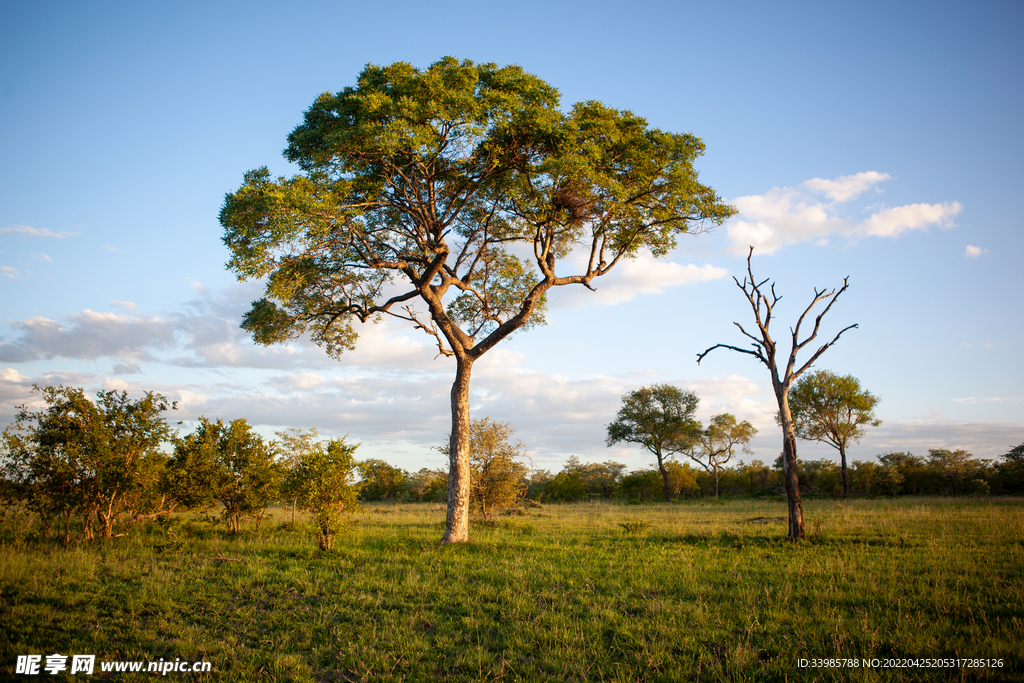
x,y
604,592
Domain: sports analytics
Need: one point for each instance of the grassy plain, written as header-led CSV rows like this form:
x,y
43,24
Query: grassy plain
x,y
603,592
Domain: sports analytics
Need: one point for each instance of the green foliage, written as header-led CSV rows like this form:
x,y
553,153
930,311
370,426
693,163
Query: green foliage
x,y
713,447
324,480
381,481
497,478
504,164
294,443
428,485
566,487
659,418
642,485
832,409
230,464
1011,471
458,188
95,460
953,468
906,473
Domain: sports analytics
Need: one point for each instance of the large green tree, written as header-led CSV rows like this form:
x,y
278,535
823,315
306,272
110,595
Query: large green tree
x,y
832,409
451,197
659,418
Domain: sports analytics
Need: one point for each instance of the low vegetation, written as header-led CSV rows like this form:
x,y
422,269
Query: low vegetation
x,y
292,560
589,591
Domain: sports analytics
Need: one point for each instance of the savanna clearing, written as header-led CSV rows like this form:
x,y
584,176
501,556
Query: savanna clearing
x,y
591,591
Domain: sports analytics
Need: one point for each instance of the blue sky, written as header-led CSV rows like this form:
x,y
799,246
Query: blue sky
x,y
864,140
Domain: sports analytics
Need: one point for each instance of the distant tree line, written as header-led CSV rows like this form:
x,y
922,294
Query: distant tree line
x,y
95,468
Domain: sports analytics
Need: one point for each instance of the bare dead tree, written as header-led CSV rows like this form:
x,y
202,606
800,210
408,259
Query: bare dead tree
x,y
764,349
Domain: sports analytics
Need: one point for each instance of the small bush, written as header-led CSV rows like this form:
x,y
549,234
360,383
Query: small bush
x,y
635,527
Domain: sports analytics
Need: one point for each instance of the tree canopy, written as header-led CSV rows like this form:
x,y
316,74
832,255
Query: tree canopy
x,y
461,188
323,480
661,419
227,463
714,446
832,409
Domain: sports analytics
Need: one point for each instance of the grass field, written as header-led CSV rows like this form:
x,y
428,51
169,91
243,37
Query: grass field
x,y
604,592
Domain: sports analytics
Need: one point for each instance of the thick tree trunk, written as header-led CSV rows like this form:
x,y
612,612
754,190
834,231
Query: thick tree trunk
x,y
846,481
796,507
457,523
664,478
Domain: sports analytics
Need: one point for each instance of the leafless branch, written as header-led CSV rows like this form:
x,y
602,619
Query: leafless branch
x,y
429,328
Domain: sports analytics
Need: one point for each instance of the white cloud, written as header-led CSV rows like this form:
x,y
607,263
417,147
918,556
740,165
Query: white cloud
x,y
198,286
12,375
124,305
110,247
296,381
974,252
87,335
783,216
643,275
115,384
12,273
27,231
895,221
846,187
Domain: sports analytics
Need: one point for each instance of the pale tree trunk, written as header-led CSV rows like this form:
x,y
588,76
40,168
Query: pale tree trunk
x,y
716,481
457,522
796,507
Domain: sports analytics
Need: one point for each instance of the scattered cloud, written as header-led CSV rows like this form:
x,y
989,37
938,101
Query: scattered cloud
x,y
894,222
846,187
129,368
87,335
198,286
110,247
643,275
296,381
784,215
974,252
45,258
125,306
12,273
977,400
26,231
